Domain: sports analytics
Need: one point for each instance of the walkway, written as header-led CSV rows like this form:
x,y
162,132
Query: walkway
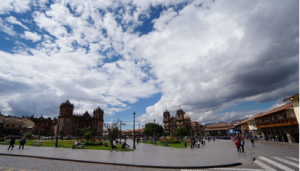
x,y
214,154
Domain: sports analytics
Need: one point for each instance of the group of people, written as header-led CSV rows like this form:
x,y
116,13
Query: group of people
x,y
114,146
240,144
12,143
195,142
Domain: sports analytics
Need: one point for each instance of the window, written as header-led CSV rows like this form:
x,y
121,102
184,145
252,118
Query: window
x,y
93,123
12,125
75,121
279,117
68,120
7,125
273,118
291,113
67,124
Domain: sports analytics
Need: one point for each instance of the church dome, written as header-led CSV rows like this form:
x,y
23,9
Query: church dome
x,y
179,109
67,104
166,112
98,109
186,117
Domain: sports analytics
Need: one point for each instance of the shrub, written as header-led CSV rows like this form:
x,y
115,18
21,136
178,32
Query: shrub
x,y
28,135
90,142
87,135
170,140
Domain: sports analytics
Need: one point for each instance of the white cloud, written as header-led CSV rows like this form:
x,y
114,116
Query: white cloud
x,y
13,20
201,58
32,36
8,29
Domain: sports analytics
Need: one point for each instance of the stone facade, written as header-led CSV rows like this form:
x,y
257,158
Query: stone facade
x,y
171,123
43,126
69,122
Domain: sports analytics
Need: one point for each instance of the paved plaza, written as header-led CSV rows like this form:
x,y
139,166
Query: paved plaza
x,y
268,156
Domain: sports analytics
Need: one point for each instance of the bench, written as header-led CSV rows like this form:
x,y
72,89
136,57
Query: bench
x,y
80,145
37,143
152,142
165,143
5,142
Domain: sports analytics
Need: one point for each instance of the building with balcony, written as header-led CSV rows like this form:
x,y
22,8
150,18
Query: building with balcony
x,y
280,124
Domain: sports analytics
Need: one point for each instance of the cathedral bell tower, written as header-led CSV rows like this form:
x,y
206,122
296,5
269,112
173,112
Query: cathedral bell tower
x,y
98,121
66,109
166,116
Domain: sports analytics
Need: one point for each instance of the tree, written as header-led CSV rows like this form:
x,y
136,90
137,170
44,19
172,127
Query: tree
x,y
79,132
87,135
61,133
113,132
149,129
182,131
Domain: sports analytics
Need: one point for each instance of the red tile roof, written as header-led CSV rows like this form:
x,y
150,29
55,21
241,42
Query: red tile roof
x,y
284,107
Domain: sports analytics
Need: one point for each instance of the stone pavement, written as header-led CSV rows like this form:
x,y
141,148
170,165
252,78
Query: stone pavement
x,y
214,154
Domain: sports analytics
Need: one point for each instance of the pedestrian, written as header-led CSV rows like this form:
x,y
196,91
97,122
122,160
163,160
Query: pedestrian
x,y
75,144
201,142
22,142
11,143
198,144
252,142
114,146
242,144
190,141
237,143
204,141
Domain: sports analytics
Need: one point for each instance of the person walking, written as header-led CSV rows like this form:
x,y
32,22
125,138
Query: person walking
x,y
11,143
237,143
114,146
190,141
198,144
204,141
252,142
201,142
242,144
22,142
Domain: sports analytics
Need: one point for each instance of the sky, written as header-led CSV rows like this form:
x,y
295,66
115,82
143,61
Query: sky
x,y
217,60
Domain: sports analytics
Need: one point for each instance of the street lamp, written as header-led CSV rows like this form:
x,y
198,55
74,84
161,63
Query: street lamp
x,y
2,127
139,130
154,133
120,131
57,133
133,130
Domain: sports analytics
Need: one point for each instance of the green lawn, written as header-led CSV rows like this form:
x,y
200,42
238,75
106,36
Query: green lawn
x,y
68,144
173,145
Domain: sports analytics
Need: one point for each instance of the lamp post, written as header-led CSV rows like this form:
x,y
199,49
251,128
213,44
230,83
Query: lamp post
x,y
133,130
154,133
40,131
120,131
2,126
57,133
139,130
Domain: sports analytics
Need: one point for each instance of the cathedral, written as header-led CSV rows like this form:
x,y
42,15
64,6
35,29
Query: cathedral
x,y
69,122
171,123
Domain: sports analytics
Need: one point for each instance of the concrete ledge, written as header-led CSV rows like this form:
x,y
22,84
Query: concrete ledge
x,y
125,164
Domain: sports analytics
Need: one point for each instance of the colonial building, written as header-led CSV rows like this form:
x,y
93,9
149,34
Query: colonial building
x,y
69,122
43,126
171,123
218,129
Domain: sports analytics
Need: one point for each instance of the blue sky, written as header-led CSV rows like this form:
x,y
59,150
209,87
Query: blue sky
x,y
218,61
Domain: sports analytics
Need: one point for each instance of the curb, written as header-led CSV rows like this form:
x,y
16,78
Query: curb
x,y
123,164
